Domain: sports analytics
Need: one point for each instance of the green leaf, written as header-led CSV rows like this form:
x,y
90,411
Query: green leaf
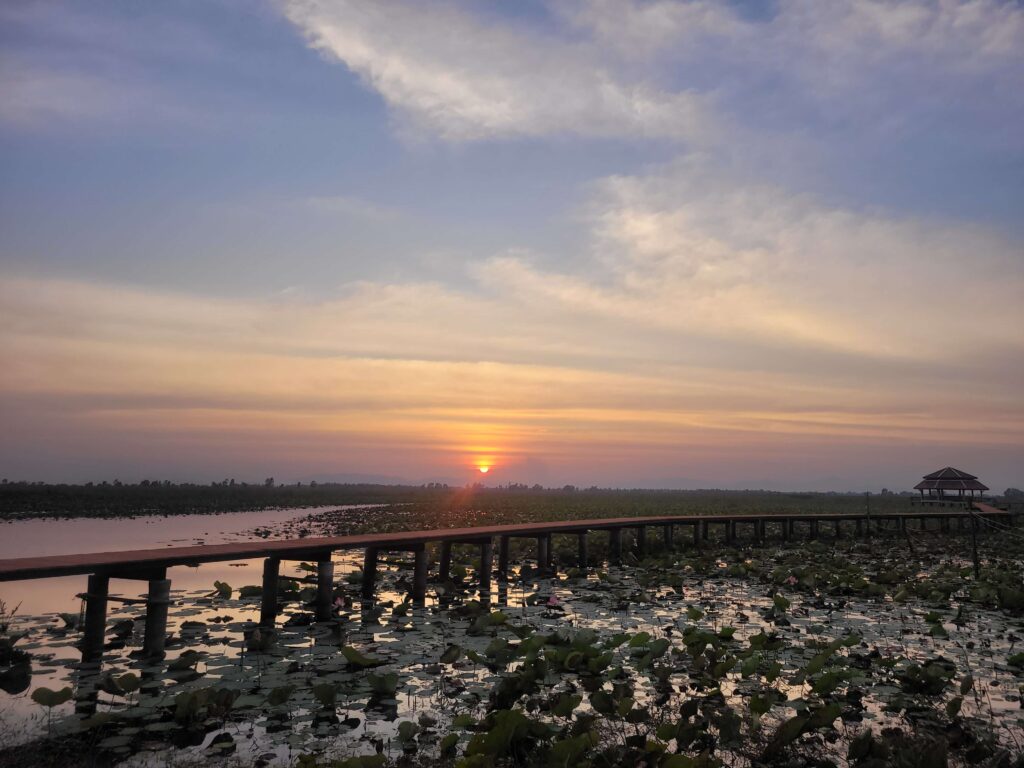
x,y
781,603
356,659
326,694
451,654
953,706
966,684
222,589
280,695
48,698
448,744
693,613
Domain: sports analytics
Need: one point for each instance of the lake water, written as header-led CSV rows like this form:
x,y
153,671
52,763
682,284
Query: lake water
x,y
28,538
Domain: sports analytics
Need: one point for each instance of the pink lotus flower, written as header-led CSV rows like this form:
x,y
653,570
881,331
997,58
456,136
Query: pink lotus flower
x,y
792,580
553,601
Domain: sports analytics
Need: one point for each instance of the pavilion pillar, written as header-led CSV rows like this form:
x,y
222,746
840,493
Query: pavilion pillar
x,y
95,617
581,559
641,541
369,572
268,600
503,557
325,588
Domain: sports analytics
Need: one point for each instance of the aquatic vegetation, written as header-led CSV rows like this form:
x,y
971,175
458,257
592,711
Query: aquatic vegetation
x,y
829,651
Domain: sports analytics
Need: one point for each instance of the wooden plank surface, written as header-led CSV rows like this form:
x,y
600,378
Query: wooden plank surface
x,y
308,548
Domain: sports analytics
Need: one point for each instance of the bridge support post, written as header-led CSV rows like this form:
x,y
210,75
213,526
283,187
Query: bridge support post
x,y
324,589
419,574
668,533
615,545
446,560
704,532
158,599
860,527
268,601
95,617
696,535
835,528
814,529
730,531
903,524
761,527
944,524
581,559
486,564
369,573
503,557
641,541
543,543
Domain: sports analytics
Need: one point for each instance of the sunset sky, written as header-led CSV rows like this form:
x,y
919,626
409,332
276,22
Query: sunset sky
x,y
601,242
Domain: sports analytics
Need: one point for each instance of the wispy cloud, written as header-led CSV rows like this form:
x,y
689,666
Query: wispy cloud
x,y
453,73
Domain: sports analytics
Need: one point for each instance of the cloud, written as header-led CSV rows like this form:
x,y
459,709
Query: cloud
x,y
709,308
689,70
465,78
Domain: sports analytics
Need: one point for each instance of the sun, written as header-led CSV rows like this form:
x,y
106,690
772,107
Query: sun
x,y
484,469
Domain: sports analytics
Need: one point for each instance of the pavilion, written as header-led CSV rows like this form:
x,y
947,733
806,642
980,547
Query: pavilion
x,y
941,485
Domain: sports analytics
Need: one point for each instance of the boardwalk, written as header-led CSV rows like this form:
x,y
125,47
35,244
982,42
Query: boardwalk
x,y
151,564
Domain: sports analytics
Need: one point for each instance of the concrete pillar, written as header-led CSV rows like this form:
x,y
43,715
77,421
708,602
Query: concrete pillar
x,y
419,575
641,541
581,559
543,552
95,617
158,599
503,557
268,604
369,573
668,533
324,589
486,564
615,545
446,560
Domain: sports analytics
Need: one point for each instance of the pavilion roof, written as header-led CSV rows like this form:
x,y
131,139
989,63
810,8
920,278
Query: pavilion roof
x,y
950,479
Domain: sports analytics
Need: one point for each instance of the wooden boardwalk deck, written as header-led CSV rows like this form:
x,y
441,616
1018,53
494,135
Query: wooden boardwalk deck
x,y
151,564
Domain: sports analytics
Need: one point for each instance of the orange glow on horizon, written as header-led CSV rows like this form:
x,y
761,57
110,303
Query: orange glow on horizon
x,y
484,469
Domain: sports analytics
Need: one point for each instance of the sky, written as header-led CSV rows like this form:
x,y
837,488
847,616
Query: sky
x,y
624,243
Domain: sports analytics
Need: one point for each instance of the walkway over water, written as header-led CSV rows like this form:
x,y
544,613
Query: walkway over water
x,y
151,564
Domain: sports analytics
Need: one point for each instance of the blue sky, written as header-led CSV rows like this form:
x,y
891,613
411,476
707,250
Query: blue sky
x,y
666,243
